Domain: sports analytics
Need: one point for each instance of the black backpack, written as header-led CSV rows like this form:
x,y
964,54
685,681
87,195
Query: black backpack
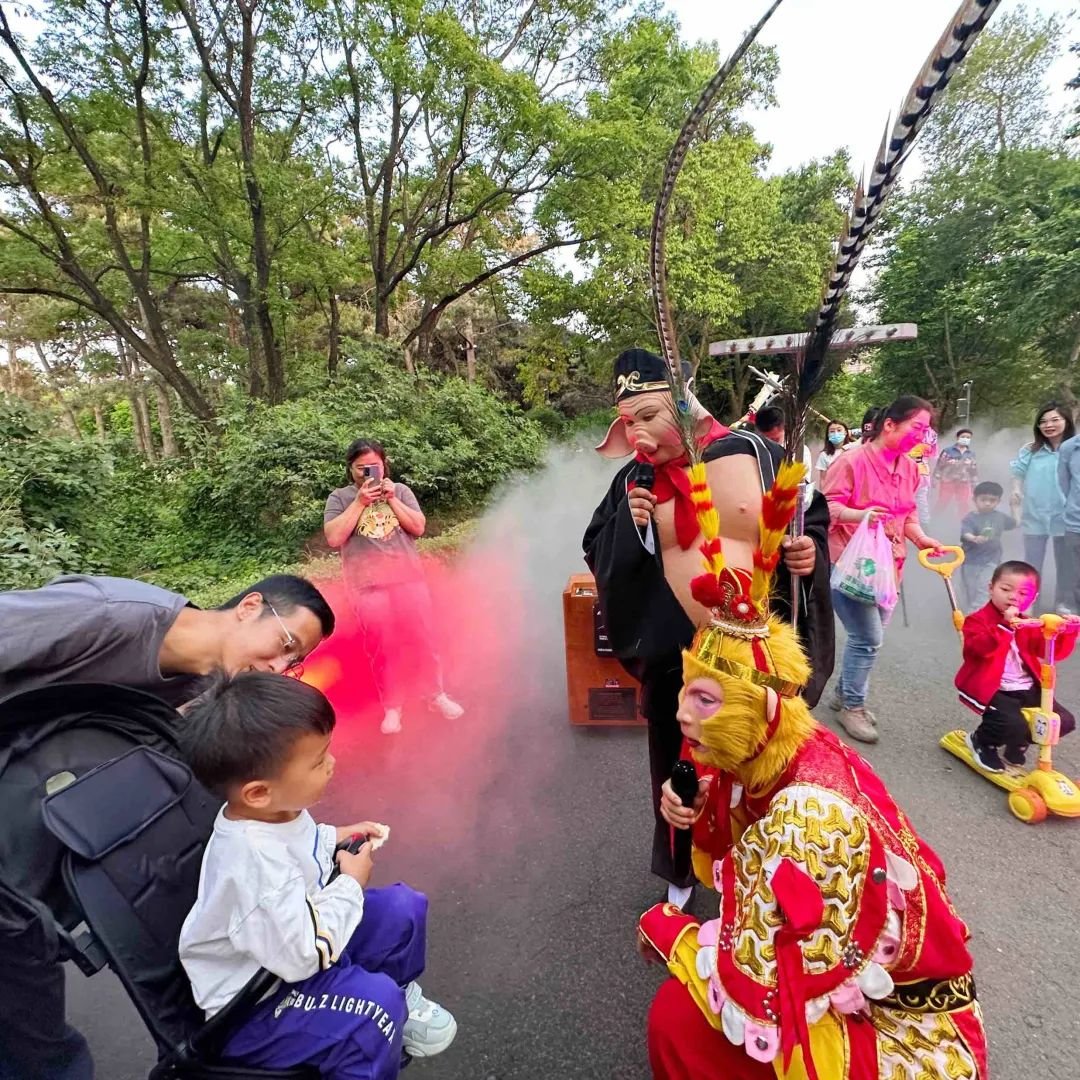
x,y
49,737
102,832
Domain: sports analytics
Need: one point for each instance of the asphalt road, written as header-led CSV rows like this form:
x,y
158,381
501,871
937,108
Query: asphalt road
x,y
531,840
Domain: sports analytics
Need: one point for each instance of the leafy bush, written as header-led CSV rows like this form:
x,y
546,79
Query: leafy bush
x,y
250,495
51,488
551,420
259,489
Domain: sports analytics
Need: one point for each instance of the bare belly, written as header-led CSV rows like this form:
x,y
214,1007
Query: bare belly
x,y
736,490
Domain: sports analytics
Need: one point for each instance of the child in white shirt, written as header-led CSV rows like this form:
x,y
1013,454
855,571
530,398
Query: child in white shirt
x,y
348,954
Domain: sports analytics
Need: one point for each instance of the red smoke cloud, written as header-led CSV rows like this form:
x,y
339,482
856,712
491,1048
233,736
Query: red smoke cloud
x,y
477,611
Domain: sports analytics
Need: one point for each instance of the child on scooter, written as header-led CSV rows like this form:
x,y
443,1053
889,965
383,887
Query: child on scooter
x,y
999,674
348,954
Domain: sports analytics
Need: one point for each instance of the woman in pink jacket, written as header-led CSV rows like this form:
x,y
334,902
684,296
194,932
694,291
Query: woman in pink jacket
x,y
879,480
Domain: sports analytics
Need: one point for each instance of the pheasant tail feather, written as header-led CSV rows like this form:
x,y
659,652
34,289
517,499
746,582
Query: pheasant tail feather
x,y
665,323
813,367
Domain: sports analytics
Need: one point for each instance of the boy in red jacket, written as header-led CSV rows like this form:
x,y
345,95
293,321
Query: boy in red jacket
x,y
999,675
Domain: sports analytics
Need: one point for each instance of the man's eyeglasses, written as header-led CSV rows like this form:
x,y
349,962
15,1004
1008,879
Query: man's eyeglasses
x,y
290,647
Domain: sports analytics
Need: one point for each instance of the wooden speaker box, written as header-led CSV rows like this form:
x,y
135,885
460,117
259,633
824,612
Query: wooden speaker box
x,y
598,690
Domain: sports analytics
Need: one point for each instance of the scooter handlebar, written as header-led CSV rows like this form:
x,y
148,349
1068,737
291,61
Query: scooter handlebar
x,y
1051,623
945,569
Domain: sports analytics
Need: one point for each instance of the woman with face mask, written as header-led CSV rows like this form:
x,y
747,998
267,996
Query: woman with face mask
x,y
877,480
836,439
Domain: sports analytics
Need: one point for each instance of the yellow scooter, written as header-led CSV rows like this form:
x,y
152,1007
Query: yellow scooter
x,y
1043,790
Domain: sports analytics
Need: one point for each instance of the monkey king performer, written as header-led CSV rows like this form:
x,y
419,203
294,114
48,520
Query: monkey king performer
x,y
837,953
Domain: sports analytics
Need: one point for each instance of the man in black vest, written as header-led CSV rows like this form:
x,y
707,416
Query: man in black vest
x,y
642,547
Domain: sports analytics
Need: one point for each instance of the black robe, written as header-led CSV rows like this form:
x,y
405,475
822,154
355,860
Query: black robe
x,y
648,629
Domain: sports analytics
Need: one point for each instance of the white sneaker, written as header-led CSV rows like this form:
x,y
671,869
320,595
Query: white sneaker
x,y
391,722
429,1028
447,707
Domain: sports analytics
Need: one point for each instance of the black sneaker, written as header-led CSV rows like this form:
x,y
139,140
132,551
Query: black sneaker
x,y
986,757
1016,755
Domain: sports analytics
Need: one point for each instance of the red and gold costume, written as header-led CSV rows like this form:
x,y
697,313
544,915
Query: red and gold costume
x,y
837,954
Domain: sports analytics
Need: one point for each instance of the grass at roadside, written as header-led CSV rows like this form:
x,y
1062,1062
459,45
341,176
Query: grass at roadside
x,y
445,543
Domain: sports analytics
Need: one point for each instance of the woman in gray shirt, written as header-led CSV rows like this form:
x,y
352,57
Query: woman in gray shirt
x,y
374,523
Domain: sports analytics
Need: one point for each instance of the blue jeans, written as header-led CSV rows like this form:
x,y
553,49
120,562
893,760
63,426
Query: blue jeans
x,y
1035,545
865,633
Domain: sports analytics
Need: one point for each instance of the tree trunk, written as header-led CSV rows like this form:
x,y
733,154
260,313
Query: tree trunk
x,y
470,350
128,374
156,349
410,363
138,433
740,386
99,421
382,315
67,416
1065,386
252,339
169,448
260,244
144,420
333,353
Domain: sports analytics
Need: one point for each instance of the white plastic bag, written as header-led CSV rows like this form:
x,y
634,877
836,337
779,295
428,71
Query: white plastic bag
x,y
865,570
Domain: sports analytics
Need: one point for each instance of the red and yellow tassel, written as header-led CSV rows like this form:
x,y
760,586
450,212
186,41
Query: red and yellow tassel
x,y
777,509
708,518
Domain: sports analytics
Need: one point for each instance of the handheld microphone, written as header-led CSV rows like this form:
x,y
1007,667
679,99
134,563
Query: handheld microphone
x,y
643,476
684,782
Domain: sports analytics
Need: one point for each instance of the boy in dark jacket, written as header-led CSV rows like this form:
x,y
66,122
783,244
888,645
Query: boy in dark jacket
x,y
980,535
999,675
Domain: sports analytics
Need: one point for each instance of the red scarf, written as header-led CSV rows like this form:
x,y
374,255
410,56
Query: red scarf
x,y
672,482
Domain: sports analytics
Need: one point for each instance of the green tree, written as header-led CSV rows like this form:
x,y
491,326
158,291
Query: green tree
x,y
986,261
982,253
746,252
997,101
68,155
456,122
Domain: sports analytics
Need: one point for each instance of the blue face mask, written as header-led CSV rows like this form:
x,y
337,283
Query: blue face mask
x,y
964,441
836,437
